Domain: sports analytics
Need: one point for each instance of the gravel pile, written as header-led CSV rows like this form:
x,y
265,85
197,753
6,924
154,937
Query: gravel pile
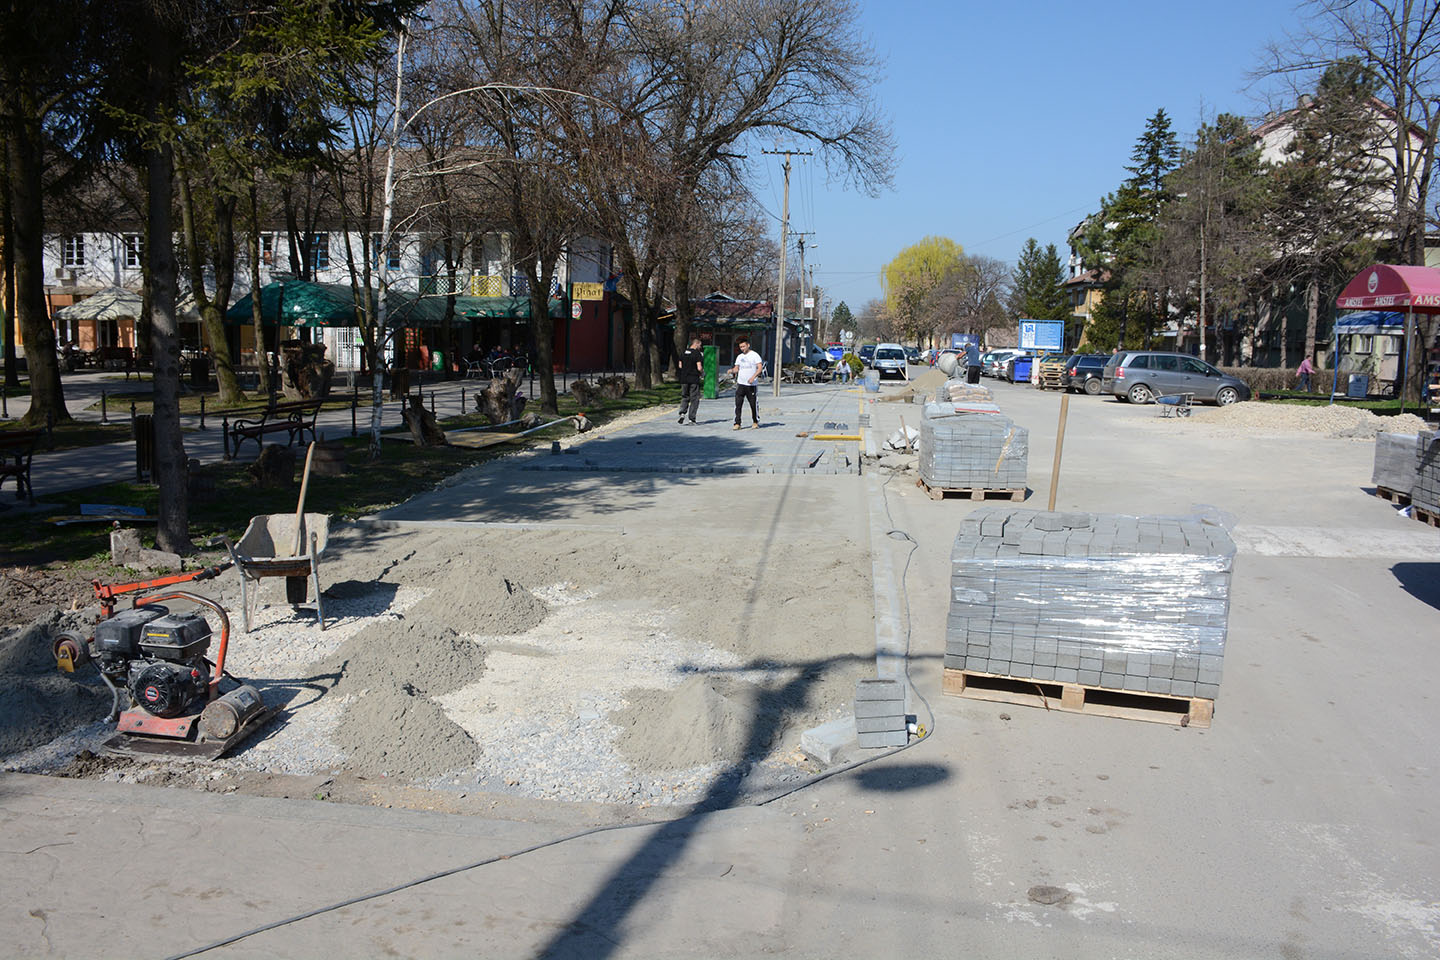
x,y
1337,421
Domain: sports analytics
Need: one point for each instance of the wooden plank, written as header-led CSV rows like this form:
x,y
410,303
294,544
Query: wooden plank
x,y
1079,698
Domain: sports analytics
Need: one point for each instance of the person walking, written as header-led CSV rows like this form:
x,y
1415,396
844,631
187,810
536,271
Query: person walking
x,y
747,369
692,372
972,362
1304,371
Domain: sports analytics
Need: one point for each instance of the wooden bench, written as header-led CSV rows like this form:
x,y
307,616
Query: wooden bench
x,y
17,447
294,419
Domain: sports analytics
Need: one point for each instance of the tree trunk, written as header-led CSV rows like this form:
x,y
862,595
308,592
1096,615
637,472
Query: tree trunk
x,y
544,329
212,315
684,310
173,527
1312,317
257,313
7,250
23,144
640,331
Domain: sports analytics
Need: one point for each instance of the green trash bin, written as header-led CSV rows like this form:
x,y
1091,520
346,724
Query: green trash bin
x,y
711,388
437,360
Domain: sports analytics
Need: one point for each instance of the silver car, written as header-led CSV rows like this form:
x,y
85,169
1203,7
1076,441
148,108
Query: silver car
x,y
1142,375
889,358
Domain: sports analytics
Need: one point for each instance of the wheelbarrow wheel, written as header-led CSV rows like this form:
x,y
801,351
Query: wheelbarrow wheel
x,y
295,589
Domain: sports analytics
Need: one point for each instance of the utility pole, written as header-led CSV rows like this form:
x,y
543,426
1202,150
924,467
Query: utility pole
x,y
784,239
802,236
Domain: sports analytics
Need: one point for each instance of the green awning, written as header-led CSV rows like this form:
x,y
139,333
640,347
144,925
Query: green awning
x,y
300,303
515,308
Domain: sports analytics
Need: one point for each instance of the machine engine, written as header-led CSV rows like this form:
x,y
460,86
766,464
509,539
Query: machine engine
x,y
157,656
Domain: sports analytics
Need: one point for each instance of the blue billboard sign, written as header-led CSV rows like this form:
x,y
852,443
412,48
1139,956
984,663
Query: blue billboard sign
x,y
1042,334
958,341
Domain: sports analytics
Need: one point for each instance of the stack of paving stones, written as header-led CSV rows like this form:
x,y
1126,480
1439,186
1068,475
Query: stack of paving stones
x,y
1124,603
1397,457
880,713
963,450
1426,492
952,391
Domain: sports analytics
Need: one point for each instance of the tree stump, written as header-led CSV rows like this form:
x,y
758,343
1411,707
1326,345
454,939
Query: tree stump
x,y
594,393
305,373
499,402
422,424
274,468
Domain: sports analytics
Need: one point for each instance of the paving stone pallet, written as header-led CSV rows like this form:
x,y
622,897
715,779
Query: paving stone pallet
x,y
963,450
1426,490
880,719
1100,601
1397,462
974,493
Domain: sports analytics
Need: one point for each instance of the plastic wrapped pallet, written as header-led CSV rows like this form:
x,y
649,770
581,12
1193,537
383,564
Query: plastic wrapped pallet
x,y
1426,491
1117,602
954,390
1396,462
963,450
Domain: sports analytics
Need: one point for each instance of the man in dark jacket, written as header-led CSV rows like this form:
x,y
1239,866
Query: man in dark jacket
x,y
692,372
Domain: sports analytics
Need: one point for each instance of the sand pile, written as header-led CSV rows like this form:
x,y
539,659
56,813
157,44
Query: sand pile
x,y
37,701
1334,421
707,720
471,597
394,669
925,385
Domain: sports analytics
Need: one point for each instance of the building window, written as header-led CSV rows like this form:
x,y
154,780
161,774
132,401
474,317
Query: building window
x,y
393,261
74,251
134,250
267,248
319,251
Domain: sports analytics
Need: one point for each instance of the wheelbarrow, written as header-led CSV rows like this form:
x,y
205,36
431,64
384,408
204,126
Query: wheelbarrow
x,y
1176,404
270,548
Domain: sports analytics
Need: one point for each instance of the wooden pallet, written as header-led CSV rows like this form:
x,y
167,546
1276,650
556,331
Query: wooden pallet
x,y
1078,698
974,493
1051,381
1425,515
1394,496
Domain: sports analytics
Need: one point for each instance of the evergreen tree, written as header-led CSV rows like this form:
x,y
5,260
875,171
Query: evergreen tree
x,y
1037,286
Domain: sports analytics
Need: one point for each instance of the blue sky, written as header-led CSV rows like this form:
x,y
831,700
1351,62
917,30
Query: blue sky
x,y
1013,120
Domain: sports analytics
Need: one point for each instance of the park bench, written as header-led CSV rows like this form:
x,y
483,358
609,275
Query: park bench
x,y
17,447
294,419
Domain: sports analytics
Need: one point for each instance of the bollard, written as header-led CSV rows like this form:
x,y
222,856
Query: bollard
x,y
104,417
432,401
354,405
132,414
225,433
462,401
202,411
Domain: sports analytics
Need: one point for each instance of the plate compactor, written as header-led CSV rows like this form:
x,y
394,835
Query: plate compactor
x,y
155,661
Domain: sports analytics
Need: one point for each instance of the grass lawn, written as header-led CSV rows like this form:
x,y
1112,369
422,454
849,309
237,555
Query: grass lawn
x,y
119,403
77,433
1379,406
401,472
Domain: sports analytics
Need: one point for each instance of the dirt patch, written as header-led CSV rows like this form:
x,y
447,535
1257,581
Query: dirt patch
x,y
28,594
474,597
702,721
1334,421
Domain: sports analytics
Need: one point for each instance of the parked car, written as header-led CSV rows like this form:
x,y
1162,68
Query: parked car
x,y
993,364
816,357
1140,376
1084,372
866,353
912,354
889,358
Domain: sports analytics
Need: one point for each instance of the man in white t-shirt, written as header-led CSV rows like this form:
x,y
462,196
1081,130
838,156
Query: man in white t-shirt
x,y
747,369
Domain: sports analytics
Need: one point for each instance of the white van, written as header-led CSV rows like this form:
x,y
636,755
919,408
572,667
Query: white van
x,y
890,358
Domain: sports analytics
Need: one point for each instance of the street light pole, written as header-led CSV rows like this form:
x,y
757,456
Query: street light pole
x,y
784,241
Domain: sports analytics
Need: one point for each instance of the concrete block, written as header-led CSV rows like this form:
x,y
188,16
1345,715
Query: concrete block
x,y
879,708
1182,688
875,689
876,741
1067,675
823,743
1112,681
879,724
1209,691
1090,678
